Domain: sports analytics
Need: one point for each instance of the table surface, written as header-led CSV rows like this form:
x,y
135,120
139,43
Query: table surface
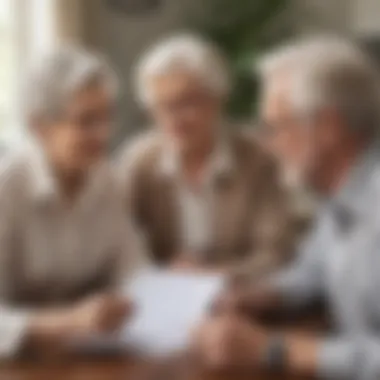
x,y
123,367
110,369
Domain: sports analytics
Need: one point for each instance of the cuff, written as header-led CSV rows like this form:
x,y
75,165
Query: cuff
x,y
13,326
337,360
291,293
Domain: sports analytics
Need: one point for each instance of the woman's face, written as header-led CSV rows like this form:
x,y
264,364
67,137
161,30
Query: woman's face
x,y
80,138
184,109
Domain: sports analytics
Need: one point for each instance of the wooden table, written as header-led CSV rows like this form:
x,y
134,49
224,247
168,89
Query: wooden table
x,y
127,368
109,369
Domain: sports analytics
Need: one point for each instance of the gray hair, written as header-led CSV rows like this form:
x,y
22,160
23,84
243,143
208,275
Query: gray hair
x,y
58,75
184,52
328,72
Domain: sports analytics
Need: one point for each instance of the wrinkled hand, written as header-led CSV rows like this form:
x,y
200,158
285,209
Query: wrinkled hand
x,y
98,314
188,263
185,263
229,342
50,330
246,300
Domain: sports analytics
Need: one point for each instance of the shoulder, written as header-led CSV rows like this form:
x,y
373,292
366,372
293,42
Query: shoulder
x,y
367,179
15,169
15,175
372,189
366,202
248,150
140,152
136,163
361,193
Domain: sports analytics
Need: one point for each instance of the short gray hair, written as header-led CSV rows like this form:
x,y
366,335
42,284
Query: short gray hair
x,y
60,74
328,72
184,52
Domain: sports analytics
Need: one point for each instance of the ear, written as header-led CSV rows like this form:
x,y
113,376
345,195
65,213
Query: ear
x,y
38,126
332,126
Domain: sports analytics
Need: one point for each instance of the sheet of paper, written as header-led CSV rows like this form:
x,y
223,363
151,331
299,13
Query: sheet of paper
x,y
168,306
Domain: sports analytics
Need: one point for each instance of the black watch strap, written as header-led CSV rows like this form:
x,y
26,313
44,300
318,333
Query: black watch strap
x,y
275,355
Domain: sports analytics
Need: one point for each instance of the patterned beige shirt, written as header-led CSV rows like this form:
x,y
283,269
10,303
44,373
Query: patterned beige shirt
x,y
51,253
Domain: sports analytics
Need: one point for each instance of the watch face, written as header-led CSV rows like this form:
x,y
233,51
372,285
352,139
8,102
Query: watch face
x,y
134,7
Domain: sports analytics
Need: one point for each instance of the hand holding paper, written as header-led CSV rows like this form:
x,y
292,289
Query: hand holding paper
x,y
167,308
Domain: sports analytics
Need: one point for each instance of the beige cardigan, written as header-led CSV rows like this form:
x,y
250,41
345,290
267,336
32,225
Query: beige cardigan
x,y
253,225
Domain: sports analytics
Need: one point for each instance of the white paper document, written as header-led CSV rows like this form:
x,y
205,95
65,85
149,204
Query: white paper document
x,y
167,308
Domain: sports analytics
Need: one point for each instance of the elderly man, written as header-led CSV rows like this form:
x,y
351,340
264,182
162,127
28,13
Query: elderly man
x,y
205,196
321,113
63,238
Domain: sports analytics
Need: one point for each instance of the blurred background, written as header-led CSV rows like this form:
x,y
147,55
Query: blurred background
x,y
123,29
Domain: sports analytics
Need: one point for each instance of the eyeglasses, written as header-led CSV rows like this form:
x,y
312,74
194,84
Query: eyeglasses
x,y
188,102
91,120
281,128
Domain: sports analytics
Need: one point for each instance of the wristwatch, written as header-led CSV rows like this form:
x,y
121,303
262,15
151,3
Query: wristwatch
x,y
275,355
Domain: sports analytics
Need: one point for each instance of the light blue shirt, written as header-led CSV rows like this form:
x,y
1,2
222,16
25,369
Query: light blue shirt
x,y
340,261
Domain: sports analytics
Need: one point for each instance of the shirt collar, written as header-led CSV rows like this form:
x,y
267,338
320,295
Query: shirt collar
x,y
44,185
221,163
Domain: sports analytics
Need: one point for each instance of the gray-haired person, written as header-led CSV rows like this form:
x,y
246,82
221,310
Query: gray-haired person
x,y
320,108
63,240
203,192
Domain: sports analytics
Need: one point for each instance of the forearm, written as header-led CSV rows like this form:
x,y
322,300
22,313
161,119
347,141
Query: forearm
x,y
33,330
51,328
335,359
299,286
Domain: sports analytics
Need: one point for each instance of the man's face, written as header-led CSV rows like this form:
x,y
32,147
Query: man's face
x,y
289,137
305,145
184,110
80,139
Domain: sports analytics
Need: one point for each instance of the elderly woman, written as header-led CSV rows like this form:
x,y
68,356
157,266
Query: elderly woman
x,y
63,237
205,196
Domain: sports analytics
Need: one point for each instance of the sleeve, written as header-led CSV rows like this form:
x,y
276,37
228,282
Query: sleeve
x,y
129,169
13,322
349,359
133,253
13,328
303,281
276,226
128,162
357,356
